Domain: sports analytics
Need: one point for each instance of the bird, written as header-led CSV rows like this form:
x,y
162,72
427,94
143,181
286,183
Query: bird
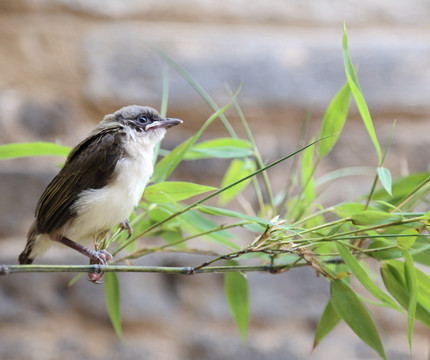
x,y
102,180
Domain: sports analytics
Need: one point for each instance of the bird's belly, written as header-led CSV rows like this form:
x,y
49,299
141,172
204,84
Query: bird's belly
x,y
100,209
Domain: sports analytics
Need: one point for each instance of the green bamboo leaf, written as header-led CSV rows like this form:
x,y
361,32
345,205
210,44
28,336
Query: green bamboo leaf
x,y
374,217
334,119
113,301
236,291
385,177
358,96
351,310
328,321
17,150
394,280
363,277
307,173
238,169
412,285
173,191
222,148
423,288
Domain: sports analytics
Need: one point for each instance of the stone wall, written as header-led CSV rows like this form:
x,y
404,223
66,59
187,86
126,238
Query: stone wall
x,y
66,63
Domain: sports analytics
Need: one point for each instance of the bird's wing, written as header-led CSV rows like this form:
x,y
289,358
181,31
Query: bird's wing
x,y
90,165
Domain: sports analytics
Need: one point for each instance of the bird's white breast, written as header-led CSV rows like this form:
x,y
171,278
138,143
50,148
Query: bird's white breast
x,y
100,209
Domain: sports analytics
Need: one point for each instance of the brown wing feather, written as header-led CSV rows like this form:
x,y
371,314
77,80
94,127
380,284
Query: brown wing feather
x,y
90,165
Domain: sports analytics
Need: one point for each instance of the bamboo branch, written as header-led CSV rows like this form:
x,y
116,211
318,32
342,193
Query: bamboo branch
x,y
186,270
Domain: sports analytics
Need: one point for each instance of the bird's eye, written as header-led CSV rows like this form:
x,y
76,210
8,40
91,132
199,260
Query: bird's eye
x,y
142,119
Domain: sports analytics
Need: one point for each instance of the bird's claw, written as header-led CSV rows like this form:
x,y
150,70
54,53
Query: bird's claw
x,y
100,257
95,278
126,224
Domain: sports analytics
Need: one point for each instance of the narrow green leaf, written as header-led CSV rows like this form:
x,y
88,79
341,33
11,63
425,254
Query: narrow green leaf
x,y
374,217
363,277
351,310
385,177
412,285
173,191
423,288
334,119
237,170
394,280
236,291
328,321
358,96
113,301
307,173
17,150
222,148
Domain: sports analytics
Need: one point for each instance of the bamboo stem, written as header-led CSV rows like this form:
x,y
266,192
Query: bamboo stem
x,y
186,270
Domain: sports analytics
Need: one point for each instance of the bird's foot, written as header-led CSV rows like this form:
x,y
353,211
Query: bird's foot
x,y
125,224
100,257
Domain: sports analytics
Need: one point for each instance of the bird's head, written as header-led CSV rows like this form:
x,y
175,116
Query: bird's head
x,y
144,122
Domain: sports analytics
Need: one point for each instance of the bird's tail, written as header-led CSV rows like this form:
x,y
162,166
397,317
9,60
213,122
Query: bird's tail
x,y
26,257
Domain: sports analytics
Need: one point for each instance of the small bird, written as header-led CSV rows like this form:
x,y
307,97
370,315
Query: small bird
x,y
99,185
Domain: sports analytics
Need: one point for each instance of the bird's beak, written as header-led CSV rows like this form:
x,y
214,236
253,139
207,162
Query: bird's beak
x,y
165,123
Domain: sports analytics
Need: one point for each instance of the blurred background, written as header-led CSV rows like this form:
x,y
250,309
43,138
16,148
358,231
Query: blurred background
x,y
64,64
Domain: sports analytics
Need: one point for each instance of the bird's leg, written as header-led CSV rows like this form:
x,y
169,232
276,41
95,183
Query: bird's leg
x,y
96,257
125,224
